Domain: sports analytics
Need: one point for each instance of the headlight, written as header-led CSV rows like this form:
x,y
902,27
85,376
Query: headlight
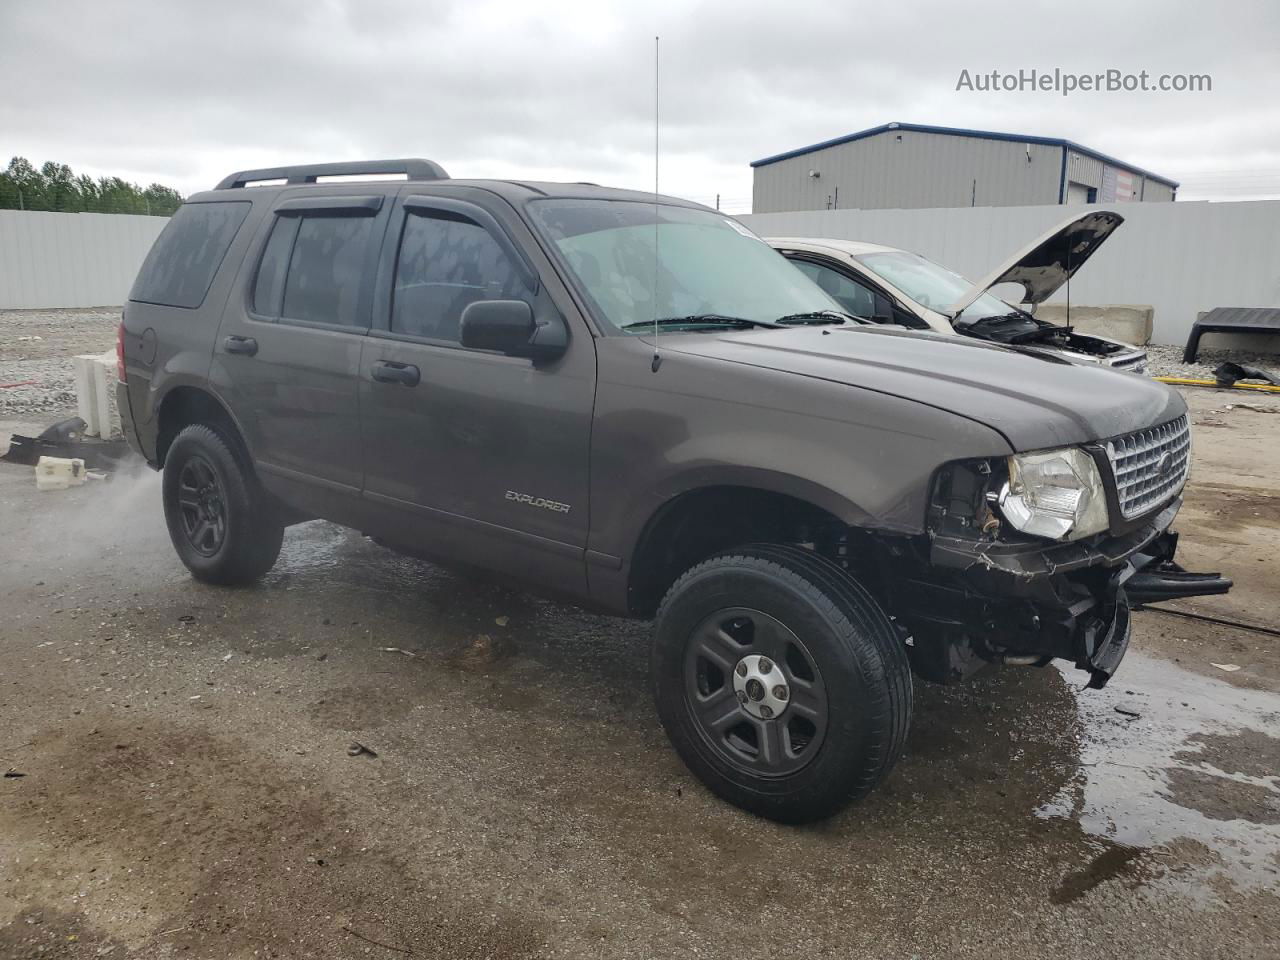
x,y
1056,494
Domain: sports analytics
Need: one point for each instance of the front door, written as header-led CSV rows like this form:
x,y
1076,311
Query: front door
x,y
475,456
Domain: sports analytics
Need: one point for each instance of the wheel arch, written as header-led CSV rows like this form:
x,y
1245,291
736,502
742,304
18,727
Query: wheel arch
x,y
699,520
183,405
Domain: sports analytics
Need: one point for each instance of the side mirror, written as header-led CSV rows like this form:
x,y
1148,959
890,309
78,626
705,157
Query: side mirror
x,y
508,326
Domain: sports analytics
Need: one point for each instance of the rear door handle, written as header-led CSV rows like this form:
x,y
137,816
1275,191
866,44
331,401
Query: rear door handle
x,y
386,371
246,345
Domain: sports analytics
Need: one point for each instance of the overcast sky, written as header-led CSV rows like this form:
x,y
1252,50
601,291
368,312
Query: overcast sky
x,y
183,93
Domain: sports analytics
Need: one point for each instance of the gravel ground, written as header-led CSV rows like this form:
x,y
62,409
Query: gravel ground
x,y
177,779
1166,361
187,789
37,345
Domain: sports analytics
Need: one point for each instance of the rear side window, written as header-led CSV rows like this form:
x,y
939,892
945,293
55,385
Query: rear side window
x,y
445,264
312,269
181,265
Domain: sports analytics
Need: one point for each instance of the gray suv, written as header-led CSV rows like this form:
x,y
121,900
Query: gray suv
x,y
634,403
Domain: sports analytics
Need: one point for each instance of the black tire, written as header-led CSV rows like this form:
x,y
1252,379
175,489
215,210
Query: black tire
x,y
849,648
220,520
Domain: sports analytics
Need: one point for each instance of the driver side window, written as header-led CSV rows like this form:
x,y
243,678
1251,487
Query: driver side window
x,y
445,264
853,297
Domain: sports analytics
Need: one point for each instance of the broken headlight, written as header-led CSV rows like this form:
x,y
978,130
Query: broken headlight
x,y
1056,494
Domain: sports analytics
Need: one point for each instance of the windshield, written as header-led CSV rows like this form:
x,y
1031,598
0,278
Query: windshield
x,y
931,285
707,264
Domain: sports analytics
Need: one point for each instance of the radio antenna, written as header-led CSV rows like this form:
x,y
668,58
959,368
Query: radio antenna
x,y
657,360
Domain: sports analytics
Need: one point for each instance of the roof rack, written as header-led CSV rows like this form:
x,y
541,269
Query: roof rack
x,y
412,168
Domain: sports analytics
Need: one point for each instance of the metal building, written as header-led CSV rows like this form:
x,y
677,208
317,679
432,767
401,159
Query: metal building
x,y
901,165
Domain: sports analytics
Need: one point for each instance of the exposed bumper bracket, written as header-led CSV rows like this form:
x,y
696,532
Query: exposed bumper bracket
x,y
1111,648
1158,577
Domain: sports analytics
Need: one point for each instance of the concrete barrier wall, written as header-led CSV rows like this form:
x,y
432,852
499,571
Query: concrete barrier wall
x,y
71,259
1180,258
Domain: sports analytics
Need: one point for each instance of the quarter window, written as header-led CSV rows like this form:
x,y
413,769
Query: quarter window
x,y
269,286
446,263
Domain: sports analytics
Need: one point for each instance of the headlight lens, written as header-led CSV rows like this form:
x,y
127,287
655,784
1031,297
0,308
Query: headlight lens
x,y
1056,494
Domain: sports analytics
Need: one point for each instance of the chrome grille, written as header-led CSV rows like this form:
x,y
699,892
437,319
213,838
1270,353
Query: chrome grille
x,y
1150,466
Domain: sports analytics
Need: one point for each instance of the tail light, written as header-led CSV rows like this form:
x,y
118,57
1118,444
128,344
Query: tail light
x,y
120,371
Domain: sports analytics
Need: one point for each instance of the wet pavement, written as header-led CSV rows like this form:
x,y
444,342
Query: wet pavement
x,y
187,787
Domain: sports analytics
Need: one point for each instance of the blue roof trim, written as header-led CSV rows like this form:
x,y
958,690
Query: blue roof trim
x,y
964,132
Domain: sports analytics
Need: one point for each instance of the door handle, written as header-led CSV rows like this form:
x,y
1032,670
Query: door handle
x,y
386,371
246,345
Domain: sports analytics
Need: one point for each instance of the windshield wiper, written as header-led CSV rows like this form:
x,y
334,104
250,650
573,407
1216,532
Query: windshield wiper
x,y
816,318
702,319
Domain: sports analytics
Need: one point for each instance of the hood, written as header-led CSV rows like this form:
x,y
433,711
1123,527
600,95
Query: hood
x,y
1046,264
1033,399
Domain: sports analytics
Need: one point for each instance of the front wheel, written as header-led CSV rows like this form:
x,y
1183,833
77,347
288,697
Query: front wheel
x,y
220,519
781,683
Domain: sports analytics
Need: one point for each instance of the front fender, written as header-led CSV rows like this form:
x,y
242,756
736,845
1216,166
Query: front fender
x,y
865,457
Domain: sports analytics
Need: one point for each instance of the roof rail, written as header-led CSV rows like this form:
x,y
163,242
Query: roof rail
x,y
412,168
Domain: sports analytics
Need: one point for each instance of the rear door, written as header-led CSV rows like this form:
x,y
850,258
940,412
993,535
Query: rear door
x,y
287,357
476,456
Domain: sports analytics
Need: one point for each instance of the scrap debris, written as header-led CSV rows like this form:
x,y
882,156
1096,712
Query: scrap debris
x,y
1251,406
377,943
59,473
66,439
1228,373
358,749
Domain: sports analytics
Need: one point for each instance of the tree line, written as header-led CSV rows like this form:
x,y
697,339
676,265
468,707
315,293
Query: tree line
x,y
55,187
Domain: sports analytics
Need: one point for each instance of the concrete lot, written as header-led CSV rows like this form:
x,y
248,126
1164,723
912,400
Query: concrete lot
x,y
188,790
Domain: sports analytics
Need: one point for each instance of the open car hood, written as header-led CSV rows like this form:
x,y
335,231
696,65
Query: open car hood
x,y
1047,263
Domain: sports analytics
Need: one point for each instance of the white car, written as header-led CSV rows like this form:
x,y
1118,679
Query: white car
x,y
889,285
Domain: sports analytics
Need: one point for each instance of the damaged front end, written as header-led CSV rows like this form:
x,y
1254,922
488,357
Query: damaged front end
x,y
981,591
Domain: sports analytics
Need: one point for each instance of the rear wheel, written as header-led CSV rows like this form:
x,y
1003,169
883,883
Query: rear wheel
x,y
781,683
220,520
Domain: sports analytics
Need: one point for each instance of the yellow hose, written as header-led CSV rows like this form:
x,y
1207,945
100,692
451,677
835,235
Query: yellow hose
x,y
1185,382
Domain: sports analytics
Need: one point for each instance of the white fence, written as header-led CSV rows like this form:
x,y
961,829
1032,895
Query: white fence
x,y
71,259
1180,258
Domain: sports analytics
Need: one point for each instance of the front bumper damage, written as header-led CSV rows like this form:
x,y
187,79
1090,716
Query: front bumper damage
x,y
1027,603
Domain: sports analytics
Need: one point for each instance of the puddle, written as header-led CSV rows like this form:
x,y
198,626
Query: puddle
x,y
1198,769
1111,863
